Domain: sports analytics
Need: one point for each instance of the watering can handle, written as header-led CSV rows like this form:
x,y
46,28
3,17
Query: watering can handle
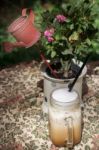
x,y
31,14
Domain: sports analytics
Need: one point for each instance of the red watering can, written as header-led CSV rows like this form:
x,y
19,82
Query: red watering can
x,y
24,31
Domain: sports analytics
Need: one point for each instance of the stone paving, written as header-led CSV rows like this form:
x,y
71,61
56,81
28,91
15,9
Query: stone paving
x,y
23,125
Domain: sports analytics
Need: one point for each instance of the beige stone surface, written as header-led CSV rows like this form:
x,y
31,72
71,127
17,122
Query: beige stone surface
x,y
22,121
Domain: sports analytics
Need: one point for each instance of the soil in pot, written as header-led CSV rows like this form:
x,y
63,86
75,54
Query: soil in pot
x,y
56,66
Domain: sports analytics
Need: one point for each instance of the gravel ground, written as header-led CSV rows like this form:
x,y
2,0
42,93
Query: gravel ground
x,y
23,125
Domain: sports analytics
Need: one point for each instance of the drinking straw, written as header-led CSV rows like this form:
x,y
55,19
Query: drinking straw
x,y
71,85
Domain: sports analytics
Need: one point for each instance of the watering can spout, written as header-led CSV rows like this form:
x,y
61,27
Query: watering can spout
x,y
9,46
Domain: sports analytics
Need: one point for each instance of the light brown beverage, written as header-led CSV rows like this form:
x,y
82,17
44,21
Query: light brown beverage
x,y
65,124
59,130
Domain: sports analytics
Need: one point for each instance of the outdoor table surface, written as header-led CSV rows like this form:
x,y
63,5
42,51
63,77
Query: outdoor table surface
x,y
21,118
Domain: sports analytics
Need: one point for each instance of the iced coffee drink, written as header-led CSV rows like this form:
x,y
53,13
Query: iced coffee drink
x,y
65,118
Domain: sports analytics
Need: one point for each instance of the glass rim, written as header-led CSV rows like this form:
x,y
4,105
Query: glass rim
x,y
75,101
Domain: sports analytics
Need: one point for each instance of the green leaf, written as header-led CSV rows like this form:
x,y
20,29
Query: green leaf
x,y
96,23
66,52
63,38
53,53
95,44
97,51
88,41
61,44
80,30
57,37
74,36
71,26
68,20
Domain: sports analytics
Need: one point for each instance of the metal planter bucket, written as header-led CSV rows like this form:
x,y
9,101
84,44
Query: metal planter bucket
x,y
52,83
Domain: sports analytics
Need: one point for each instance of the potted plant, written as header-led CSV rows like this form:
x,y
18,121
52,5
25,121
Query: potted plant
x,y
69,32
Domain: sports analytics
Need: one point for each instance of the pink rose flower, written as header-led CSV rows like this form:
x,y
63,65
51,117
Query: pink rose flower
x,y
50,39
61,18
49,32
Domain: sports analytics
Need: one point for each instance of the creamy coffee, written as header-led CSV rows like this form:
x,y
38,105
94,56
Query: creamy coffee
x,y
60,129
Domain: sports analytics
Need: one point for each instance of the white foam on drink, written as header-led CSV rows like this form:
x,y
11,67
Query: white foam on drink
x,y
63,95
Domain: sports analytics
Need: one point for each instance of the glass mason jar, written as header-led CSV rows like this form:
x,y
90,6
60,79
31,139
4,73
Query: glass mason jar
x,y
65,118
